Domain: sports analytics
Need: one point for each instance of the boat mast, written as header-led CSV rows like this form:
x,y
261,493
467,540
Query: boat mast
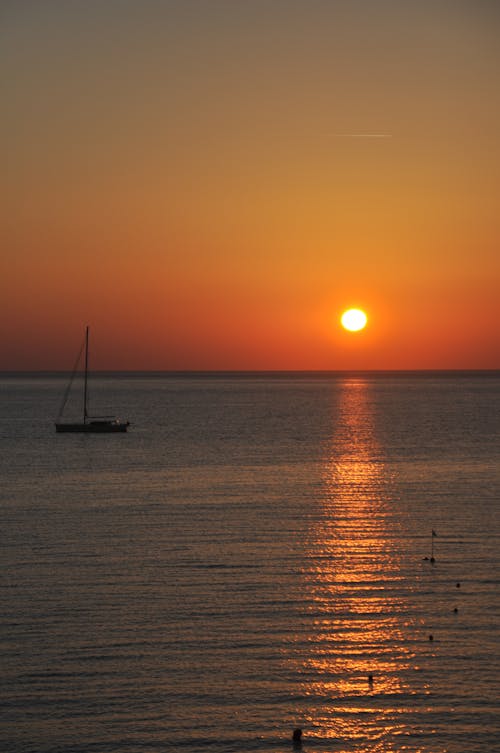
x,y
85,378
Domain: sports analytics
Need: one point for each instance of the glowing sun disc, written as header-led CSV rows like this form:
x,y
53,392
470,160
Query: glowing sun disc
x,y
353,320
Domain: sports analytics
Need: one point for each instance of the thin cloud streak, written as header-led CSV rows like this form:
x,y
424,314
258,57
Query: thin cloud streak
x,y
363,135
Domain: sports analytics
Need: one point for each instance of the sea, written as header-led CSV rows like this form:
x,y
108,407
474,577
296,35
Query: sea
x,y
259,553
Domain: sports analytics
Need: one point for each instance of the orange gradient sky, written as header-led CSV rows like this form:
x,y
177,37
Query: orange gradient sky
x,y
209,184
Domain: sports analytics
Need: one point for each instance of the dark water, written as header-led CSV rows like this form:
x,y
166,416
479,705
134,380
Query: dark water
x,y
244,558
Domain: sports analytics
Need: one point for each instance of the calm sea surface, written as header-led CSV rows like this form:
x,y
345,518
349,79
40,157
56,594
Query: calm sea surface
x,y
242,560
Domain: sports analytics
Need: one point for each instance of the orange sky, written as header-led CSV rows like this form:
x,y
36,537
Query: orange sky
x,y
209,184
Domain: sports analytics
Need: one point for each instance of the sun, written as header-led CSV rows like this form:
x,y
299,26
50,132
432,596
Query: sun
x,y
354,320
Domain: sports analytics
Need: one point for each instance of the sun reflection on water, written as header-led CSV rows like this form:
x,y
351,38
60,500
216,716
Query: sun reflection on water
x,y
358,652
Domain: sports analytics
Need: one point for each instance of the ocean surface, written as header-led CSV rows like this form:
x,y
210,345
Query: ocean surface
x,y
242,560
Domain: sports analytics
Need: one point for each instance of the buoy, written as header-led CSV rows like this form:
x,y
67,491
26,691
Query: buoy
x,y
297,735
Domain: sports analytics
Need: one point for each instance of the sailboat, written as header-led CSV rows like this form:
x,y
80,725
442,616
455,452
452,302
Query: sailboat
x,y
89,424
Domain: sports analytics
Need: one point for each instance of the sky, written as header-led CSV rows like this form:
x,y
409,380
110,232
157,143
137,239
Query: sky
x,y
208,184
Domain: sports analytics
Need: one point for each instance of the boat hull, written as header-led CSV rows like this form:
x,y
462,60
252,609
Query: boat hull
x,y
93,427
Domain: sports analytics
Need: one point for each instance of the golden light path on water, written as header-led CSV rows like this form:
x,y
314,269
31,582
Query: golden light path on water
x,y
360,620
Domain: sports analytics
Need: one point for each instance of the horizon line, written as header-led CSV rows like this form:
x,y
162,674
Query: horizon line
x,y
247,372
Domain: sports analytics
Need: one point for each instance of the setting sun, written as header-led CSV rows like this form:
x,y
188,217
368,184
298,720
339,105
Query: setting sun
x,y
354,320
